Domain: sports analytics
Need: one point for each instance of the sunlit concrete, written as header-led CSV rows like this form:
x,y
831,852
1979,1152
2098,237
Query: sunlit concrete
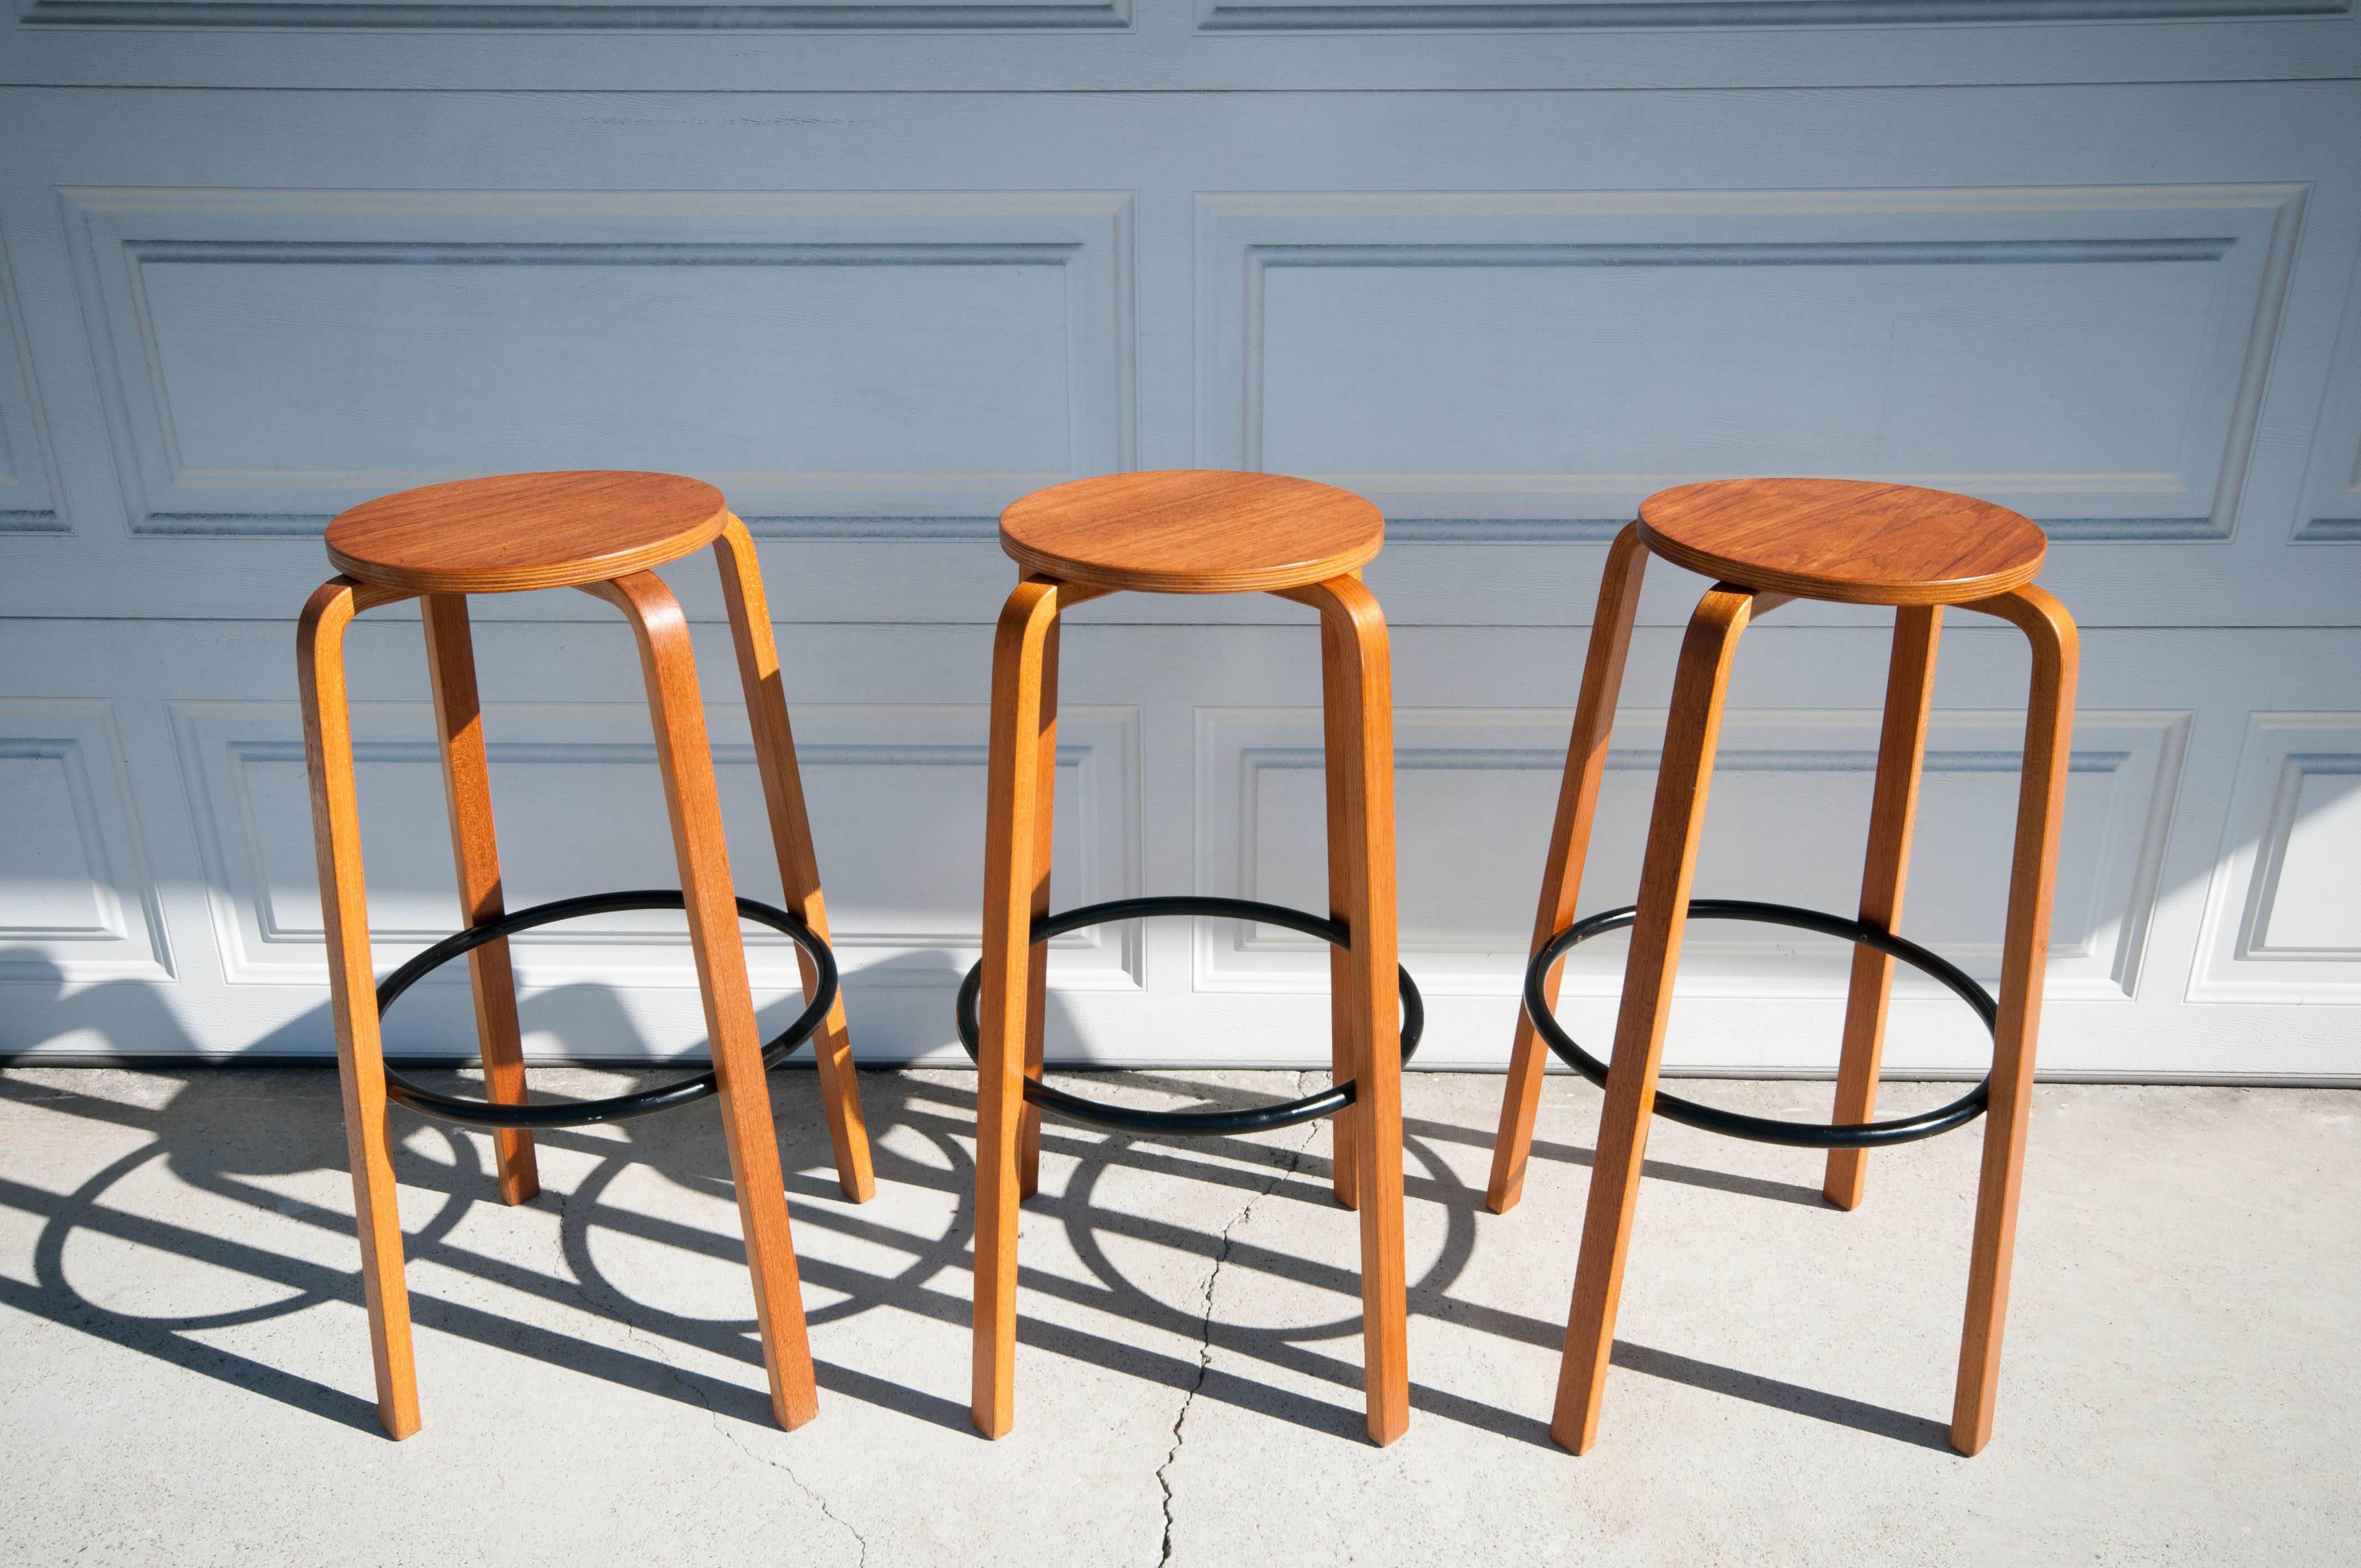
x,y
184,1369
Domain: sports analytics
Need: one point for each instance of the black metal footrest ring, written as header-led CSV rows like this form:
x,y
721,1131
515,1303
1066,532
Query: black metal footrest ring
x,y
584,1113
1188,1123
1765,1129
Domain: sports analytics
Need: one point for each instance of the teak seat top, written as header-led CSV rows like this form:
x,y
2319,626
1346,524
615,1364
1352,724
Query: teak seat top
x,y
1192,530
1852,541
525,531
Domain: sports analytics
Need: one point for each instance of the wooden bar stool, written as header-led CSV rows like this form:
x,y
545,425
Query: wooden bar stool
x,y
602,533
1191,533
1766,542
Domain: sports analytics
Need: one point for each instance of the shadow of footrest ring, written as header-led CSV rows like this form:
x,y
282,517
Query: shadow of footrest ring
x,y
1765,1129
1189,1124
822,996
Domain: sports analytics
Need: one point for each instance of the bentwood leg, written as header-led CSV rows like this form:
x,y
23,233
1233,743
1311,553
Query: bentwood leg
x,y
1357,674
2040,808
352,984
1578,805
783,793
695,805
1691,735
1901,753
1037,961
1012,837
474,845
1344,1169
1036,956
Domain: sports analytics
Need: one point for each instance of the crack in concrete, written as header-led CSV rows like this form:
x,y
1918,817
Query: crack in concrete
x,y
616,1311
799,1483
1205,1324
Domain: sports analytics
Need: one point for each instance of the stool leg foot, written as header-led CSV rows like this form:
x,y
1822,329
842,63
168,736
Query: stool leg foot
x,y
1578,805
1357,677
352,984
475,847
1901,753
2041,803
695,805
1023,730
1666,872
783,794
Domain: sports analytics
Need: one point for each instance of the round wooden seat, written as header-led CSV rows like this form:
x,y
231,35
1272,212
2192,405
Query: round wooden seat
x,y
1192,530
525,531
1852,541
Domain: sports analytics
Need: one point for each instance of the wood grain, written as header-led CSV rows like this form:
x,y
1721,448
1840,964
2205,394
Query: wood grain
x,y
1852,540
2033,871
352,987
525,531
1893,809
1569,847
1192,530
791,839
694,805
1357,671
475,848
1676,823
1012,837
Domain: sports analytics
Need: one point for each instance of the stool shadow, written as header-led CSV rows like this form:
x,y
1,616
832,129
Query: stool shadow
x,y
1923,1431
202,1127
1307,1181
1568,1154
1657,1169
190,1133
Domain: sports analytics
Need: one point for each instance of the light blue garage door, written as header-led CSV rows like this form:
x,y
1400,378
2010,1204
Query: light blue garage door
x,y
878,268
